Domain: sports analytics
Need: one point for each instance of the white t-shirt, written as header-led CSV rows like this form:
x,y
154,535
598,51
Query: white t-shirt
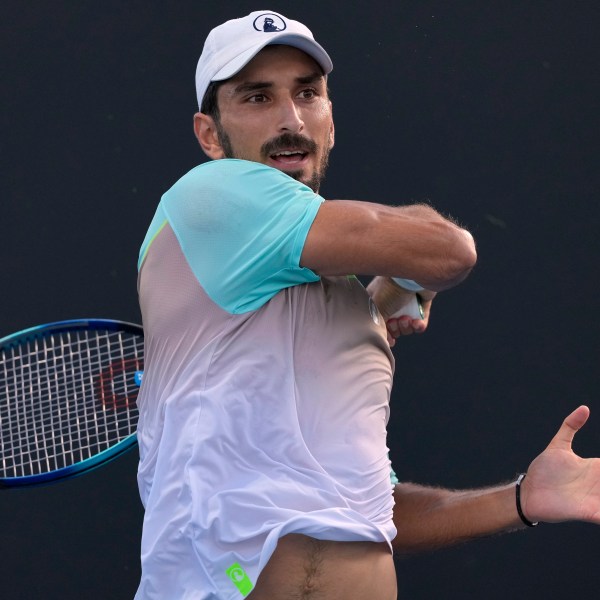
x,y
265,398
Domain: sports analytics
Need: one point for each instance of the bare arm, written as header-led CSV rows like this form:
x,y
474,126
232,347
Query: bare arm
x,y
414,242
428,518
560,486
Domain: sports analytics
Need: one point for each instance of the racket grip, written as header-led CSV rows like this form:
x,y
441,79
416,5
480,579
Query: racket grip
x,y
413,308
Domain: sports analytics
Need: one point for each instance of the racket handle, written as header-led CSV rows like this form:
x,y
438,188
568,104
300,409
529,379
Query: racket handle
x,y
413,308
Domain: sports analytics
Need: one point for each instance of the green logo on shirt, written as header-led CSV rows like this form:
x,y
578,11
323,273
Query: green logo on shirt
x,y
240,579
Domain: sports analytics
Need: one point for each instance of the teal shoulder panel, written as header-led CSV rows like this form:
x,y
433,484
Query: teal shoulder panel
x,y
242,227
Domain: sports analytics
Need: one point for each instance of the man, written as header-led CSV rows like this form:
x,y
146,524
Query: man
x,y
264,470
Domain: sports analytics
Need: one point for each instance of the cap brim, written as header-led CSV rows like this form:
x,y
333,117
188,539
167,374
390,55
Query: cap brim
x,y
301,42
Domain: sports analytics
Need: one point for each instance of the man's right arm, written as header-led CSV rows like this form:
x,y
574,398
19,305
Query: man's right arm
x,y
414,242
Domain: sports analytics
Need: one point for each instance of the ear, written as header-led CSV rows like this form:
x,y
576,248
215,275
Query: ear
x,y
207,136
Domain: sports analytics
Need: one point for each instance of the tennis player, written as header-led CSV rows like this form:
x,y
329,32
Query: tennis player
x,y
264,470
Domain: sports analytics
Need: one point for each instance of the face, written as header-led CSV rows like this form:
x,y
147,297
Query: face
x,y
276,111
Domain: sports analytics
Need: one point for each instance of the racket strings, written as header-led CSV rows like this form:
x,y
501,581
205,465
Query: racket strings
x,y
66,397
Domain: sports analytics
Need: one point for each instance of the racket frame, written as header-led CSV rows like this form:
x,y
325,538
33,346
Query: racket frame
x,y
106,455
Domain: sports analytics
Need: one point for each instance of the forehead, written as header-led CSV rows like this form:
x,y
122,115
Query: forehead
x,y
277,60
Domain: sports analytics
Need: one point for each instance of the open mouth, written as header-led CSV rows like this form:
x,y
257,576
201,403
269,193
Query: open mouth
x,y
289,157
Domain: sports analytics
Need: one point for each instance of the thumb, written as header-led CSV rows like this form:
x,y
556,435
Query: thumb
x,y
570,426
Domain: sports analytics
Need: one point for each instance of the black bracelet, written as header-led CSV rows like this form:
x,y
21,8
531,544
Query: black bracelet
x,y
519,509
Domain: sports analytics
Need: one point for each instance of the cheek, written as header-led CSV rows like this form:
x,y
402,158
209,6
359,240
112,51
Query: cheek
x,y
323,113
331,135
324,122
243,139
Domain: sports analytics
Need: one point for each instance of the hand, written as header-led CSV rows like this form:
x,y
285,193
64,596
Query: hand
x,y
399,326
561,486
388,297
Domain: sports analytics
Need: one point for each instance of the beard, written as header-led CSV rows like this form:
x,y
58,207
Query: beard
x,y
282,142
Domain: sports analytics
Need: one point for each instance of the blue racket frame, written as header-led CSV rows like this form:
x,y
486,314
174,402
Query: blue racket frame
x,y
101,458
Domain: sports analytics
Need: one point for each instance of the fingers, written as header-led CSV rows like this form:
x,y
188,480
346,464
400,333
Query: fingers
x,y
570,426
405,326
578,418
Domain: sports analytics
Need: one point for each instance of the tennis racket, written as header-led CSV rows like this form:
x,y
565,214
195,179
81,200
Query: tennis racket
x,y
68,395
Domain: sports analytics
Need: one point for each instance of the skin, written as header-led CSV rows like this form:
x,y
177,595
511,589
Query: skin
x,y
559,486
279,104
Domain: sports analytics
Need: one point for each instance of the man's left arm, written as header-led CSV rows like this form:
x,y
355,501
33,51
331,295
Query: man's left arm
x,y
559,486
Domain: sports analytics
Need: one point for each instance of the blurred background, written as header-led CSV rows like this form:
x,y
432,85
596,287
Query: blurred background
x,y
487,110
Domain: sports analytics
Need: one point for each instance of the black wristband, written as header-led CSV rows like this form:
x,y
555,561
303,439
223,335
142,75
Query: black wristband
x,y
518,497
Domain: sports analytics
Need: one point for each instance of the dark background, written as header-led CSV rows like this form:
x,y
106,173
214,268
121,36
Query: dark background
x,y
486,109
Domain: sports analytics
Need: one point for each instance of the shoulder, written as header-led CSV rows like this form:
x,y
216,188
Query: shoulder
x,y
230,185
227,173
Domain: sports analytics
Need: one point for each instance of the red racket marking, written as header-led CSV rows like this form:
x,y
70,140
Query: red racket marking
x,y
116,377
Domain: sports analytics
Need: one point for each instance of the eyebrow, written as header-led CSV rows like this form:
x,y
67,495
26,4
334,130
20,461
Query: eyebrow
x,y
252,86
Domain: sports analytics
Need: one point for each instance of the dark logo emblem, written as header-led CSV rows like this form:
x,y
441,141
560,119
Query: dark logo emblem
x,y
269,23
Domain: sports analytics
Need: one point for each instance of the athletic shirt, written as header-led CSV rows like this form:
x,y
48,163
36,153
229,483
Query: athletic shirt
x,y
265,397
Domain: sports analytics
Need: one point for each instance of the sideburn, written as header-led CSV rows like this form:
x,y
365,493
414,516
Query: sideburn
x,y
224,139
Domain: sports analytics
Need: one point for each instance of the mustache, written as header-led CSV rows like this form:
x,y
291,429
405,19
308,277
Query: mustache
x,y
287,141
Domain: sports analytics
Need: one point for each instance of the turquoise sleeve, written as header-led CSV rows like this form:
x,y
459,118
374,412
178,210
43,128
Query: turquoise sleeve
x,y
242,227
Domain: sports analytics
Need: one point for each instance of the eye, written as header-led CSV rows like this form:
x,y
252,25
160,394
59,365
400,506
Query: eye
x,y
308,94
257,98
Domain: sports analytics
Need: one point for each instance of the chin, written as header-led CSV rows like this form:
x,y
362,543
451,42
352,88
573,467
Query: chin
x,y
297,175
312,181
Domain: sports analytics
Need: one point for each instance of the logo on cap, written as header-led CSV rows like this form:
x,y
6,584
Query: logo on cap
x,y
269,23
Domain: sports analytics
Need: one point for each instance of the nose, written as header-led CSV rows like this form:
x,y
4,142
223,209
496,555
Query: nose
x,y
290,117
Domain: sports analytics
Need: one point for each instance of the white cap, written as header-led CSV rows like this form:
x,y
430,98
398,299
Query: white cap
x,y
232,45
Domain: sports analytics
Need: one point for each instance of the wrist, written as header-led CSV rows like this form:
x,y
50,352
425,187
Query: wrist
x,y
518,490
